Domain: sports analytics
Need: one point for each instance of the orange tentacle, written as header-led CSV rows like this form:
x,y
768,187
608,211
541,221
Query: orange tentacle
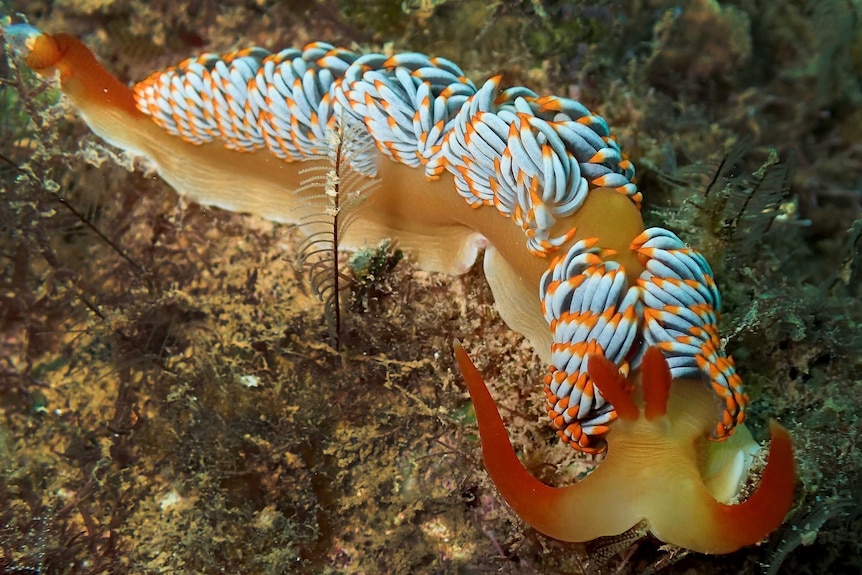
x,y
594,507
765,509
656,380
529,497
613,385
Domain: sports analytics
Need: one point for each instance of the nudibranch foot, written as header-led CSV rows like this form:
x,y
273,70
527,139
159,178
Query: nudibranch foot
x,y
652,470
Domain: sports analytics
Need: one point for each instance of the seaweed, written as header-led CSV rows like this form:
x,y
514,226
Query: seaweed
x,y
337,192
44,301
731,208
802,527
371,274
835,23
849,274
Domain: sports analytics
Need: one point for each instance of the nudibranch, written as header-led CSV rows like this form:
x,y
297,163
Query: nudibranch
x,y
626,317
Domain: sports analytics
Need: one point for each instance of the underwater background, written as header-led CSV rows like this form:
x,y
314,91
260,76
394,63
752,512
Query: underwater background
x,y
171,400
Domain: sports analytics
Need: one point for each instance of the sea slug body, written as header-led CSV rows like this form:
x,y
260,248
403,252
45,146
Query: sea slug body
x,y
626,317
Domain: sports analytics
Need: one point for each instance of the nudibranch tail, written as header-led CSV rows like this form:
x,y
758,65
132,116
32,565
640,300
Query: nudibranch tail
x,y
651,472
82,77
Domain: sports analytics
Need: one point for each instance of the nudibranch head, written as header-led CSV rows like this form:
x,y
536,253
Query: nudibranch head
x,y
655,291
653,471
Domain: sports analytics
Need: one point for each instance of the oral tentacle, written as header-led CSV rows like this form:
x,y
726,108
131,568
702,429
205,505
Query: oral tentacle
x,y
531,499
594,507
695,520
